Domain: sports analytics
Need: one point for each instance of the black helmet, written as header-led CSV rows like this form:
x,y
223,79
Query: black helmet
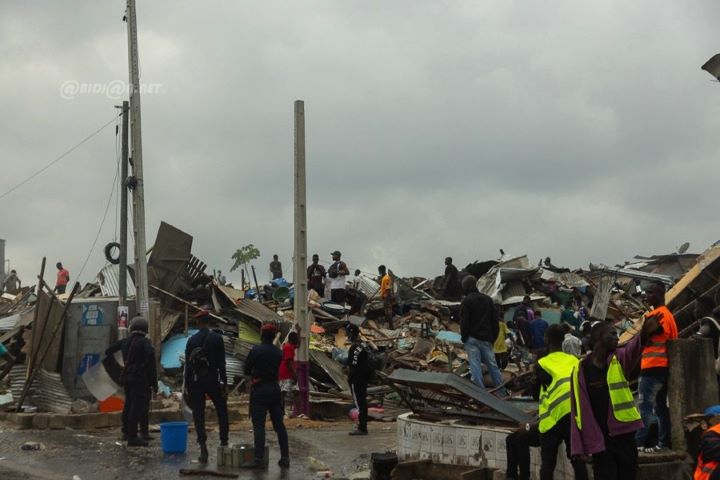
x,y
139,324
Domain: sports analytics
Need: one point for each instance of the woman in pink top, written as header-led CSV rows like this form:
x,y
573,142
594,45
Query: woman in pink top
x,y
287,374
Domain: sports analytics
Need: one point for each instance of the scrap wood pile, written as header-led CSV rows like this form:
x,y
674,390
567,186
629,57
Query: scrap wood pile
x,y
425,335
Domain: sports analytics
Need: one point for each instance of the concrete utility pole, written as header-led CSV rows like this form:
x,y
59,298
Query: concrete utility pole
x,y
300,261
141,276
122,277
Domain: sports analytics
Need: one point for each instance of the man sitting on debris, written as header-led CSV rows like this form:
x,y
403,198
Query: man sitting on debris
x,y
653,381
139,377
12,283
451,284
386,294
262,366
709,456
604,418
204,372
316,276
337,273
478,330
552,380
276,268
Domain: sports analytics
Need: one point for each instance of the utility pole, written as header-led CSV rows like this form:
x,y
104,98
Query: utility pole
x,y
141,276
122,277
300,260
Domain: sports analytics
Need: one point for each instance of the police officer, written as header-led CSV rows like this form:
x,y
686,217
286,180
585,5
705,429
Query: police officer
x,y
359,374
139,377
262,366
205,375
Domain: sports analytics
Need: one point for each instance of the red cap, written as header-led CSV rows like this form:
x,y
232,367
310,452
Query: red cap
x,y
201,313
268,327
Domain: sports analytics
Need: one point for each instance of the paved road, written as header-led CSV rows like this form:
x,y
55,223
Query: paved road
x,y
97,455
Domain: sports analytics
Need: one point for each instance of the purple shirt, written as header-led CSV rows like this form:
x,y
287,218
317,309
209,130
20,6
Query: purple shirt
x,y
590,439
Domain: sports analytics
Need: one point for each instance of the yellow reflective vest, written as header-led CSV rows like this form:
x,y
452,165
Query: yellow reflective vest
x,y
621,398
555,399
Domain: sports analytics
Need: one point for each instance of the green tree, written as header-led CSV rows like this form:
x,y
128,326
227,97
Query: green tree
x,y
243,256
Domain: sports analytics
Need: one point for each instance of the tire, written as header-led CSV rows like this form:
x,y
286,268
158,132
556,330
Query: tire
x,y
108,252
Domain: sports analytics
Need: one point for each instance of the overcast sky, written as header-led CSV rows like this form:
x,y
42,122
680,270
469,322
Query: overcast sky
x,y
583,131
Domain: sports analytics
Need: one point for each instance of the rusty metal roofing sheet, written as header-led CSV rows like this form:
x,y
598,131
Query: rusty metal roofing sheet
x,y
109,281
47,391
257,311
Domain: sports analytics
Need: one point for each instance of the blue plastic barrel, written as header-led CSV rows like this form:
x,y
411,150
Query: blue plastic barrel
x,y
173,436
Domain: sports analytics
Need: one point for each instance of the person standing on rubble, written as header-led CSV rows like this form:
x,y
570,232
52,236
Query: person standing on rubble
x,y
653,381
139,378
538,327
63,278
262,366
386,294
478,330
359,374
451,283
276,268
337,273
552,387
12,283
205,375
316,276
604,418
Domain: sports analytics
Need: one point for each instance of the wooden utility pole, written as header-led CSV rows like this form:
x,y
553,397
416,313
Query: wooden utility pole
x,y
122,277
300,261
141,276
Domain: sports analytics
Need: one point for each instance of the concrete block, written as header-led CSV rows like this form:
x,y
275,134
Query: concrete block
x,y
58,422
23,421
692,383
41,421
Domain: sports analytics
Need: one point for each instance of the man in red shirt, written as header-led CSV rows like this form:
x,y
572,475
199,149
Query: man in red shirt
x,y
63,278
287,373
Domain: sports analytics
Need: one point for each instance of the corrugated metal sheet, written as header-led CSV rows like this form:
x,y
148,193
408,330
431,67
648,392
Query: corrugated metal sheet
x,y
256,311
109,280
47,391
234,368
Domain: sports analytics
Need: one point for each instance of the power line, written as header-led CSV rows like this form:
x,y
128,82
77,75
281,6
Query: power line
x,y
57,159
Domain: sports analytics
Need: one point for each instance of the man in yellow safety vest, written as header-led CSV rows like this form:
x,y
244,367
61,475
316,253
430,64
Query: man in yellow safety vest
x,y
553,375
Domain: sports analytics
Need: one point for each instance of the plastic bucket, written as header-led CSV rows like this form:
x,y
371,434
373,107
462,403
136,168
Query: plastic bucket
x,y
173,437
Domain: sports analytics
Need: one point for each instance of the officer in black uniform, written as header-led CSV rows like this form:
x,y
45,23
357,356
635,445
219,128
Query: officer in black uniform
x,y
359,374
139,378
262,366
211,380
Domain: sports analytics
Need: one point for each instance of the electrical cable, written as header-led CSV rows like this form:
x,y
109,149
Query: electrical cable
x,y
68,152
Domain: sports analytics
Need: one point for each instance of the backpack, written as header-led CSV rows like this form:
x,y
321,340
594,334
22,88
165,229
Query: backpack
x,y
199,361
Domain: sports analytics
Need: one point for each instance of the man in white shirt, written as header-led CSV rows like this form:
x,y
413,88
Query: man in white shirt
x,y
571,344
337,273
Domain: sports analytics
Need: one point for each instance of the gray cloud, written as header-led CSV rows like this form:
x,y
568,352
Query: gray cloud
x,y
583,132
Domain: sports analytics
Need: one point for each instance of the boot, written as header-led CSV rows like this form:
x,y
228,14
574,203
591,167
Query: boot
x,y
137,442
257,464
358,432
203,454
284,462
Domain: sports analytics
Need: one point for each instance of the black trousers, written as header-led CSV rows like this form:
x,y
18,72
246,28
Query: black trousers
x,y
198,390
550,443
144,427
359,394
517,445
136,409
265,398
337,295
60,289
619,460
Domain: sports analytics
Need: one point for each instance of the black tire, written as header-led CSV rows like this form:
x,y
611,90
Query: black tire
x,y
108,252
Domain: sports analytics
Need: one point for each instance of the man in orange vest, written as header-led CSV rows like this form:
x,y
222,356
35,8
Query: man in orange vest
x,y
652,384
709,456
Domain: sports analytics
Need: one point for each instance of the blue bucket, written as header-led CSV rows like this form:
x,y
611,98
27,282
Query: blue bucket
x,y
173,436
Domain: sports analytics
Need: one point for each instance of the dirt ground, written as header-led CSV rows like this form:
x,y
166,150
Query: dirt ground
x,y
99,455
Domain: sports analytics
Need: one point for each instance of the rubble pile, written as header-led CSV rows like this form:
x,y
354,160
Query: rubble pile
x,y
425,334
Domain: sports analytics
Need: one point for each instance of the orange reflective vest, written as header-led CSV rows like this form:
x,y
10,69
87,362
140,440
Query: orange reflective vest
x,y
655,352
705,469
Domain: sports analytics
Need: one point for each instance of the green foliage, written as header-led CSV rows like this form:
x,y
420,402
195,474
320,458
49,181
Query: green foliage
x,y
244,255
